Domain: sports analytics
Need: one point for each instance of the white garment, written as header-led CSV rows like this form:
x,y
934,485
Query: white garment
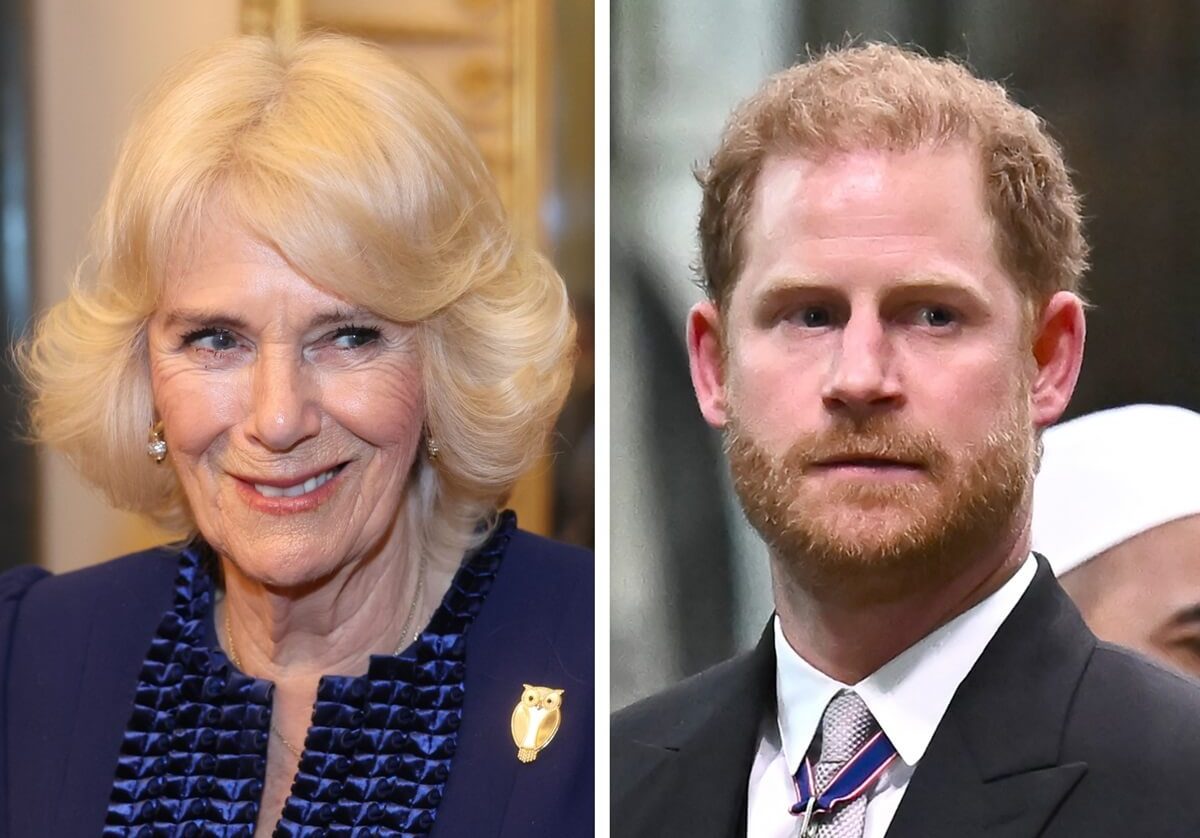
x,y
1109,476
908,696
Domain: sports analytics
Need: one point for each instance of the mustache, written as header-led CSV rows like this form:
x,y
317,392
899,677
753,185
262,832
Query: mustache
x,y
877,438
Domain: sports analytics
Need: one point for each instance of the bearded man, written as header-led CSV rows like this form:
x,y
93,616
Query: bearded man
x,y
892,252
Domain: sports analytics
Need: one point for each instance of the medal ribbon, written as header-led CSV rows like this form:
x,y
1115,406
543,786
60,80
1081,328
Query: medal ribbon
x,y
851,780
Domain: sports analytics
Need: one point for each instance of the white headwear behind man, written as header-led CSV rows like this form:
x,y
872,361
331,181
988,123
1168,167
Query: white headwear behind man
x,y
1116,510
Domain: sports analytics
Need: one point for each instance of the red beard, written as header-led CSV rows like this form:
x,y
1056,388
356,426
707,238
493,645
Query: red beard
x,y
879,540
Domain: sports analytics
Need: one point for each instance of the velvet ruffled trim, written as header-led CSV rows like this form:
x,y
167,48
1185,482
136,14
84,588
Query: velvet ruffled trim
x,y
377,754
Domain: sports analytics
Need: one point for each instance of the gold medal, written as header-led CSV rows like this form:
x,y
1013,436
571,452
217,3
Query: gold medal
x,y
535,720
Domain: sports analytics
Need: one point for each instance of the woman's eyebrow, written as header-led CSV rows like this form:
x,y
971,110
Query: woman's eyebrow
x,y
205,317
339,315
224,319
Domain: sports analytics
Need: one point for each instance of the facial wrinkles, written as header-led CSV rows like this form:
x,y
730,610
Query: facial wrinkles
x,y
282,393
286,404
355,393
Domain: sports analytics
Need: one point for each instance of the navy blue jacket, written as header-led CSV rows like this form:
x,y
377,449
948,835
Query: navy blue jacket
x,y
71,648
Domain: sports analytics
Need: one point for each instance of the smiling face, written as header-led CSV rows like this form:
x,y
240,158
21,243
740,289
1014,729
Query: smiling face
x,y
292,417
873,370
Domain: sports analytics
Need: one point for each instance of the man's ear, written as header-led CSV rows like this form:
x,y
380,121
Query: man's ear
x,y
706,358
1058,352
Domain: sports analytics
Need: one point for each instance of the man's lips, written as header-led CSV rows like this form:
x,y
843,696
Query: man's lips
x,y
865,465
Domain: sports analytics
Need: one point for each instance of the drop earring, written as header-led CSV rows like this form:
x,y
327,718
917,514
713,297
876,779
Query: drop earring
x,y
156,447
431,447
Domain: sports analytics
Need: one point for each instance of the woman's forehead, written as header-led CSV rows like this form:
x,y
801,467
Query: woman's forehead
x,y
227,267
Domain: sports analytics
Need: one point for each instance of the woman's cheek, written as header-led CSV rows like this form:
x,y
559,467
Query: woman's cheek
x,y
197,406
384,407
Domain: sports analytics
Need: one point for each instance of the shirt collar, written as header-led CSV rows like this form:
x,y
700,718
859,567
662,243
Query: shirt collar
x,y
909,694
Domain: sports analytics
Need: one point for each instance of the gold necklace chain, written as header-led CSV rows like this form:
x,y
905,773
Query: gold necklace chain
x,y
412,609
404,641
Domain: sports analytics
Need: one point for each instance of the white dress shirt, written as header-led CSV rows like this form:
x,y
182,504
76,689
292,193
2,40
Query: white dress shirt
x,y
908,696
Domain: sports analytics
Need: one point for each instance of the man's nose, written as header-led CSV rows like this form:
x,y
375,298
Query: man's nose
x,y
861,380
285,409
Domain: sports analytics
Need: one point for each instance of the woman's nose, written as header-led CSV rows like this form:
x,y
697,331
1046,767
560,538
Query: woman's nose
x,y
285,409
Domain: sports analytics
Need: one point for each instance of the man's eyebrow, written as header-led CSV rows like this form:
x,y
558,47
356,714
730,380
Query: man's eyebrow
x,y
940,282
783,286
1184,616
786,282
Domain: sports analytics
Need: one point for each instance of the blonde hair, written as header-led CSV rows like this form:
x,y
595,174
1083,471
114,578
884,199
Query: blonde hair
x,y
354,170
880,96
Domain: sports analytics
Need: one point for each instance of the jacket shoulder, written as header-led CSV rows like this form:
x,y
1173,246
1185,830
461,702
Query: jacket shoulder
x,y
1136,727
664,716
679,759
16,582
530,549
73,646
547,583
117,601
117,583
1119,686
14,586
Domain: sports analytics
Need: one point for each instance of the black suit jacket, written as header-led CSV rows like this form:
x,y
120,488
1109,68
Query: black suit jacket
x,y
1051,734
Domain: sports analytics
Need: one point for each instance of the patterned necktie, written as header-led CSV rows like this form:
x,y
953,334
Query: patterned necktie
x,y
853,753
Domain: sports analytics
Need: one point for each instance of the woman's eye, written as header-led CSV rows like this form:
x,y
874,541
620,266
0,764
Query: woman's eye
x,y
353,337
937,317
211,339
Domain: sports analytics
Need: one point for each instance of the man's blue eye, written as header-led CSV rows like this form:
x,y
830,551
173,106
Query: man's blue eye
x,y
937,316
815,317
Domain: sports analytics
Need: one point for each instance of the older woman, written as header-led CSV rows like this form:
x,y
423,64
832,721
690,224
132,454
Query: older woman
x,y
308,336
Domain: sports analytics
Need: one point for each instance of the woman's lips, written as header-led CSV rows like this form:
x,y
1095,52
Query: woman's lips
x,y
282,496
282,489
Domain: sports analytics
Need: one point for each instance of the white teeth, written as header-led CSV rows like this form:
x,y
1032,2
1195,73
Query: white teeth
x,y
309,485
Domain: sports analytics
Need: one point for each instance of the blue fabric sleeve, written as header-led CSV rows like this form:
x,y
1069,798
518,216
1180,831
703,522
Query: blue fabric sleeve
x,y
13,587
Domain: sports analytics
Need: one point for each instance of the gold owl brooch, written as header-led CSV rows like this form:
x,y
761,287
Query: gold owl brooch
x,y
535,720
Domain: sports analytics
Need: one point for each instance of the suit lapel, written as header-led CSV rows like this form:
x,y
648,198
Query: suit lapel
x,y
693,779
992,768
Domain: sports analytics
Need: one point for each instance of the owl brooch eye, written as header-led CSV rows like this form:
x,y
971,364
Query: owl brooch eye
x,y
535,720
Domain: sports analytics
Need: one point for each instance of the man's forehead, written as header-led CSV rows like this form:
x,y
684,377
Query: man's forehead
x,y
837,178
872,199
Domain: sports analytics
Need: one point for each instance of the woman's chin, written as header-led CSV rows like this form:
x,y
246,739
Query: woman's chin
x,y
285,567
